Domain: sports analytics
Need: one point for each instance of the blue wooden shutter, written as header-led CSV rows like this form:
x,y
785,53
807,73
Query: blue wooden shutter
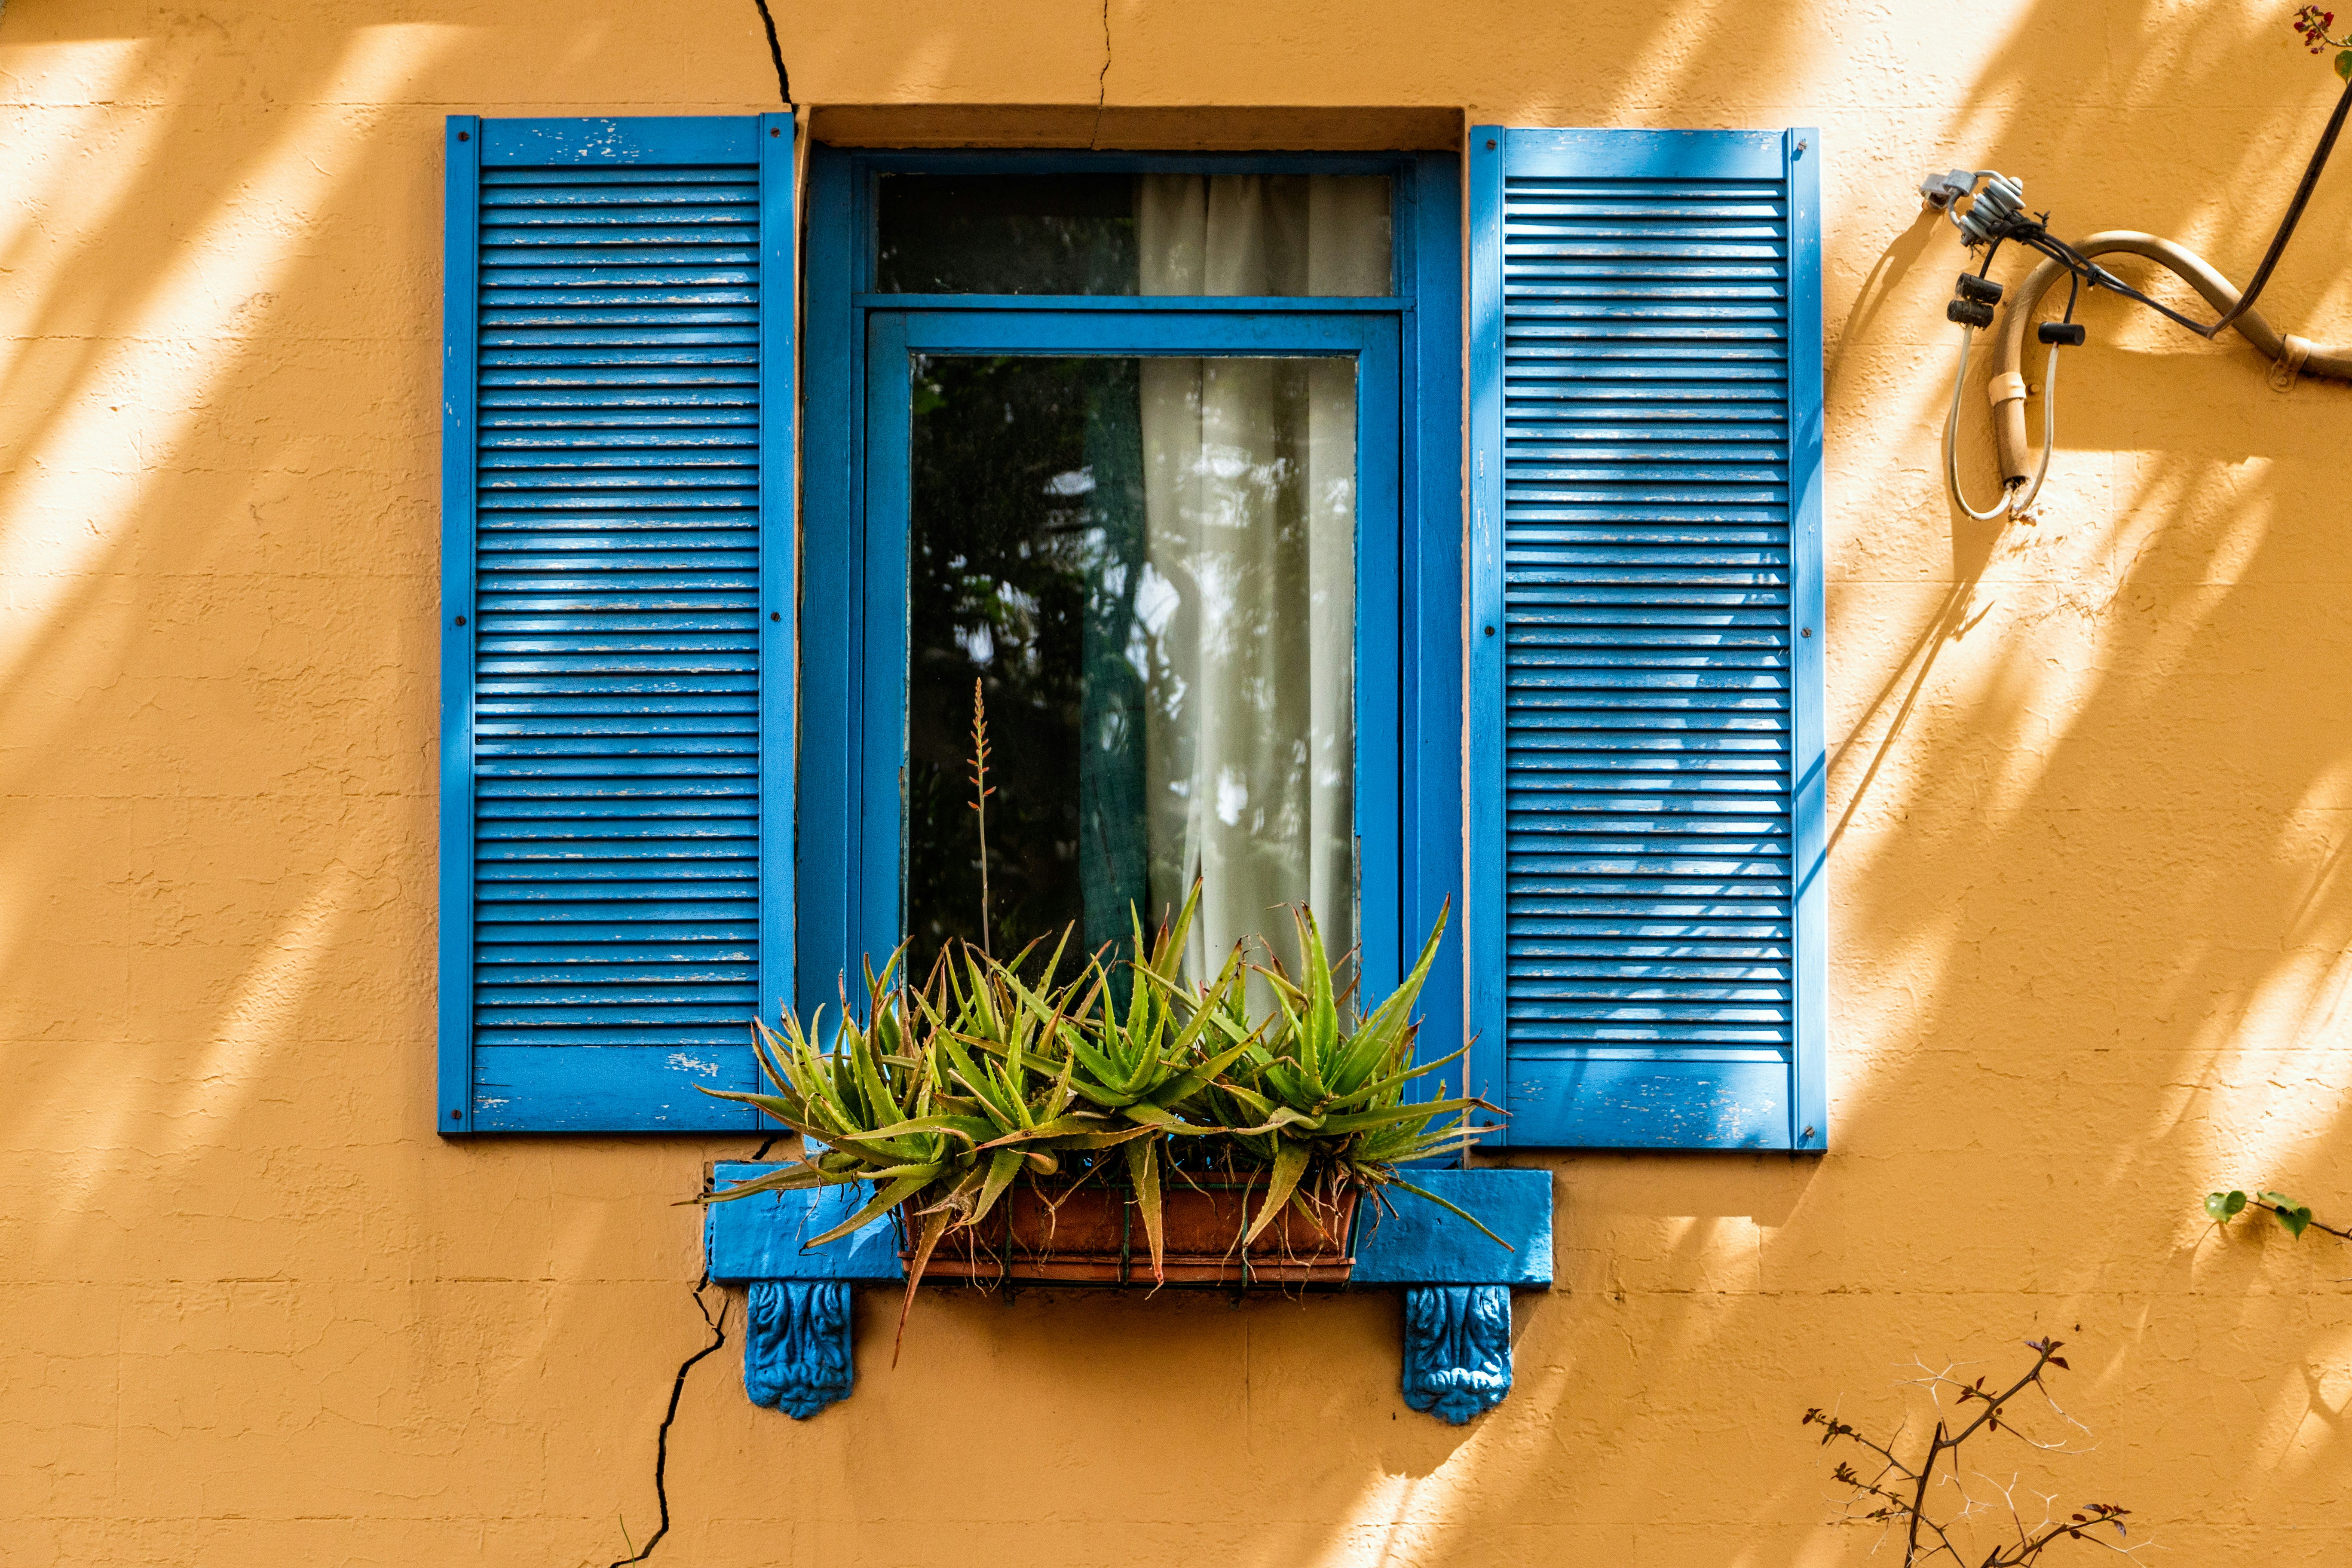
x,y
617,599
1646,926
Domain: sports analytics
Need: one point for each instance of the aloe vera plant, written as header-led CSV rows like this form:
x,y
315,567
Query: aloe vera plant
x,y
1150,1064
944,1095
951,1092
948,1094
1322,1104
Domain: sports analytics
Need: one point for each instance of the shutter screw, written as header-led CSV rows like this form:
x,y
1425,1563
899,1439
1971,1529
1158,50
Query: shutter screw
x,y
1801,149
468,136
1809,1135
460,1116
776,131
461,620
775,615
1490,631
1806,633
1490,143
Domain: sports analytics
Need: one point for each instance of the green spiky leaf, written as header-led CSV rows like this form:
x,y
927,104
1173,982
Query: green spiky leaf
x,y
1143,1175
1282,1180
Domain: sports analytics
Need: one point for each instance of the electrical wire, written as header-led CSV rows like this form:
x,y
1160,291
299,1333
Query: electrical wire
x,y
1952,446
2021,504
776,53
2033,233
2333,361
2293,211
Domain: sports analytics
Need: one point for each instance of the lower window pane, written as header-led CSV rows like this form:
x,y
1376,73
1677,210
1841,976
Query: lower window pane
x,y
1149,566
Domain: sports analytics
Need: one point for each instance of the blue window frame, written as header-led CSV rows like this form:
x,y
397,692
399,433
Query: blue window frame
x,y
854,490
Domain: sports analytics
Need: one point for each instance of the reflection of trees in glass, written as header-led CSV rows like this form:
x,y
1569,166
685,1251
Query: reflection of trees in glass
x,y
1128,556
1114,853
1005,233
1023,560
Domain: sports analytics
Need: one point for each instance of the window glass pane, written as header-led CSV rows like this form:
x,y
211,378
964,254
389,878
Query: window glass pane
x,y
1149,566
1005,233
1134,234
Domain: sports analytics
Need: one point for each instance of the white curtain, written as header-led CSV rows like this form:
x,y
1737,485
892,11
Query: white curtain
x,y
1248,608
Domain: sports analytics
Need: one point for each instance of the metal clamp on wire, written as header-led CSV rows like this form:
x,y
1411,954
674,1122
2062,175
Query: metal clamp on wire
x,y
1952,438
2289,364
1971,307
2057,335
2000,202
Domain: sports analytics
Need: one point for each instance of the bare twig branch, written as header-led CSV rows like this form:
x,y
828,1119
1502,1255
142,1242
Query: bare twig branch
x,y
1903,1491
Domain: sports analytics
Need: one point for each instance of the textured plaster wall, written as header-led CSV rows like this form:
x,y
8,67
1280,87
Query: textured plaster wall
x,y
2092,795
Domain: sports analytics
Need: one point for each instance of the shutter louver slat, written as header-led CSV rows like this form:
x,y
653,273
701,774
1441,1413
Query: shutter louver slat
x,y
618,334
1642,530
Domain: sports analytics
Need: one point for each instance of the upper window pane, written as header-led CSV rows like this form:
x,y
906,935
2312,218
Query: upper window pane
x,y
1214,235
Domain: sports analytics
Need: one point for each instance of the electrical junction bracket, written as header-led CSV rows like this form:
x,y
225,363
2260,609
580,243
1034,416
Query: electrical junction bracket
x,y
799,1354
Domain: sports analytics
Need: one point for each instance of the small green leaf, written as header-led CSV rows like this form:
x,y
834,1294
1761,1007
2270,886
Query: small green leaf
x,y
1002,1166
2296,1216
2343,64
2222,1205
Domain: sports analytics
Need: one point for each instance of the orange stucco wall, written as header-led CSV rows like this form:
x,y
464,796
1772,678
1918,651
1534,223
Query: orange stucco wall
x,y
2092,794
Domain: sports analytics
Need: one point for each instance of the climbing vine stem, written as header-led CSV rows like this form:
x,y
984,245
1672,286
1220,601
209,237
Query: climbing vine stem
x,y
2223,1207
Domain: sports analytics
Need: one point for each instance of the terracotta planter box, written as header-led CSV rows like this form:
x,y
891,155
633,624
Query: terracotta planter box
x,y
1095,1236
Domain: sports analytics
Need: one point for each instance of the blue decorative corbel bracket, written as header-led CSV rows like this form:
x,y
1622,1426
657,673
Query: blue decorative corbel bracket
x,y
1457,1284
796,1351
1458,1348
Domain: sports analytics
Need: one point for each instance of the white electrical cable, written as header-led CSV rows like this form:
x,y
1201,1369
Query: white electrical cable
x,y
1951,443
2022,504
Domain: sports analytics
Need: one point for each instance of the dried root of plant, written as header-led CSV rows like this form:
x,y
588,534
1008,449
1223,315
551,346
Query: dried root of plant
x,y
1945,1510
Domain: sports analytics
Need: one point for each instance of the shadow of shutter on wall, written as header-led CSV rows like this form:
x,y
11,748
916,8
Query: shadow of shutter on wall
x,y
1647,757
617,539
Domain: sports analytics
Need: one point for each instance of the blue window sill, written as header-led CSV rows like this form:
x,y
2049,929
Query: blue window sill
x,y
1457,1284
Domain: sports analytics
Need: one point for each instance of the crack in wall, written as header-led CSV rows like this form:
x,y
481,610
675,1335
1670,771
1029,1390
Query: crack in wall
x,y
775,51
1102,80
678,1385
676,1389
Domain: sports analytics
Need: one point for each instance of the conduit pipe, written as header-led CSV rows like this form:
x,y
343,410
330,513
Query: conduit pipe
x,y
2292,355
